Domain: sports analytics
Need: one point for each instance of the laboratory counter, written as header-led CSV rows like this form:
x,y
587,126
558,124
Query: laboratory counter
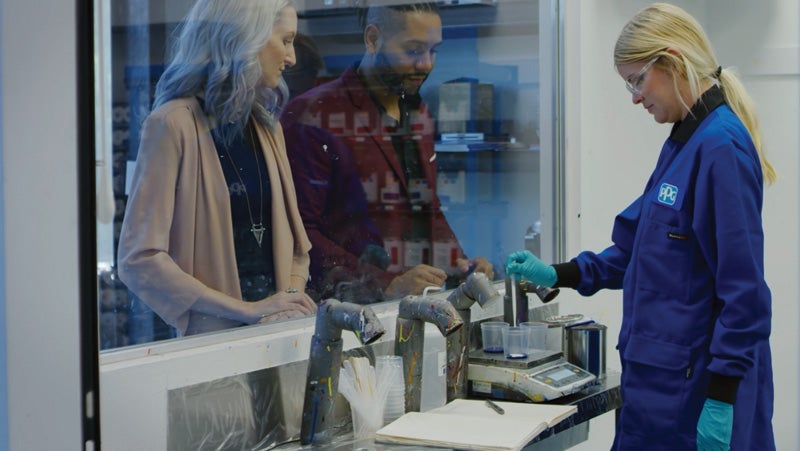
x,y
592,401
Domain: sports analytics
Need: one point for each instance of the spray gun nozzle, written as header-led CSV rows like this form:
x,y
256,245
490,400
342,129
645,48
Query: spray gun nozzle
x,y
546,294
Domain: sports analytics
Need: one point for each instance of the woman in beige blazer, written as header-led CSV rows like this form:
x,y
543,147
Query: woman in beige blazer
x,y
212,237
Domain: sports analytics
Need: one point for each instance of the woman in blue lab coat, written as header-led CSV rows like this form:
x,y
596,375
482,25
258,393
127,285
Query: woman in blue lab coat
x,y
688,253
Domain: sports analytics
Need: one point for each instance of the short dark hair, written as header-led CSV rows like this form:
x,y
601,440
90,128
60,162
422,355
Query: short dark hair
x,y
377,11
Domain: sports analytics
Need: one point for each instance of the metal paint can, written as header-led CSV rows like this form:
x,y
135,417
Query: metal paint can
x,y
587,348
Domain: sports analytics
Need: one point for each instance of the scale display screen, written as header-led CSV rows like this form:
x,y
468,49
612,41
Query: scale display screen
x,y
560,374
563,375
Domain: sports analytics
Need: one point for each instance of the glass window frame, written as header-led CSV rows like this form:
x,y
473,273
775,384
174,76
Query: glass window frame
x,y
551,114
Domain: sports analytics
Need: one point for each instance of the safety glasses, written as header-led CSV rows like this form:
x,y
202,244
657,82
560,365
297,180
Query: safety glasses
x,y
634,82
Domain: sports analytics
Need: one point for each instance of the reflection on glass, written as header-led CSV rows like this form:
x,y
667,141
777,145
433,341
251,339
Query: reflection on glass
x,y
412,136
362,153
212,237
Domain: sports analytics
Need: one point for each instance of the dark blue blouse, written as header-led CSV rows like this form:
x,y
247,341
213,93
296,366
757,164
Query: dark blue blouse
x,y
251,204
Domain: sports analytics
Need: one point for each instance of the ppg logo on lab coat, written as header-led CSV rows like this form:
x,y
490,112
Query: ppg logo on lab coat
x,y
667,194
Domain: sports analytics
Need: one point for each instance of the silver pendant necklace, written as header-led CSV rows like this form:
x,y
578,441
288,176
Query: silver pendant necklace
x,y
256,228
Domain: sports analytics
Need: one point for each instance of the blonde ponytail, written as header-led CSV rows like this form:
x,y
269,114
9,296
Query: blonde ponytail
x,y
739,101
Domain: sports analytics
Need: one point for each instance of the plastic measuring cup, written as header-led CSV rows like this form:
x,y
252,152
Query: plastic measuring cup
x,y
515,342
492,335
537,335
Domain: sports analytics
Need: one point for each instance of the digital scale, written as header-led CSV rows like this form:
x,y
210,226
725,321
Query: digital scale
x,y
542,376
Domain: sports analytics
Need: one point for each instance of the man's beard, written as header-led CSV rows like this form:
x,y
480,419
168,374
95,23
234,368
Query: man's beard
x,y
393,81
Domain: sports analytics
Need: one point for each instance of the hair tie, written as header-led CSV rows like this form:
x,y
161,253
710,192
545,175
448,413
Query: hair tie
x,y
718,72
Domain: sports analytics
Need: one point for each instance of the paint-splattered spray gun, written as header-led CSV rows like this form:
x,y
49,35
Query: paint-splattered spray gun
x,y
325,362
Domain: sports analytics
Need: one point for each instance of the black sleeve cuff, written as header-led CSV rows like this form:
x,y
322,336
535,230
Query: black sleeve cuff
x,y
723,388
568,275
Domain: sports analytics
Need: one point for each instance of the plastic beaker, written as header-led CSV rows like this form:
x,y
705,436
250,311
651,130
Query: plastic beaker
x,y
537,335
515,342
389,373
492,335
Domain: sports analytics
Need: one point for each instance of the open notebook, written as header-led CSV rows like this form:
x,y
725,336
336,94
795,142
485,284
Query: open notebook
x,y
471,424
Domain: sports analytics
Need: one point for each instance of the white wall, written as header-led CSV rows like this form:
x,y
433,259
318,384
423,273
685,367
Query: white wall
x,y
613,145
38,237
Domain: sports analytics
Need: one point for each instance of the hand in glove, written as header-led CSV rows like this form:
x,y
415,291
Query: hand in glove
x,y
714,426
528,266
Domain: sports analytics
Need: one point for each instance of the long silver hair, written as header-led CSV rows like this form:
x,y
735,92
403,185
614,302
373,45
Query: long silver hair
x,y
215,57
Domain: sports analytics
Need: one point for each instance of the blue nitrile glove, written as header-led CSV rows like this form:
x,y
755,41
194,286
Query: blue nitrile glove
x,y
528,266
714,426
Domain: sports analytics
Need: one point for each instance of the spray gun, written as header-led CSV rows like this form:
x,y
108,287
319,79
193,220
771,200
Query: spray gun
x,y
515,300
410,336
477,288
325,361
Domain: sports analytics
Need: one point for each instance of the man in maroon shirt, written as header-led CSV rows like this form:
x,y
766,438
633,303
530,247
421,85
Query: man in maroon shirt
x,y
363,161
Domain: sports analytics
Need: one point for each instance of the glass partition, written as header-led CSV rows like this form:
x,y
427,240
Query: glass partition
x,y
460,168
